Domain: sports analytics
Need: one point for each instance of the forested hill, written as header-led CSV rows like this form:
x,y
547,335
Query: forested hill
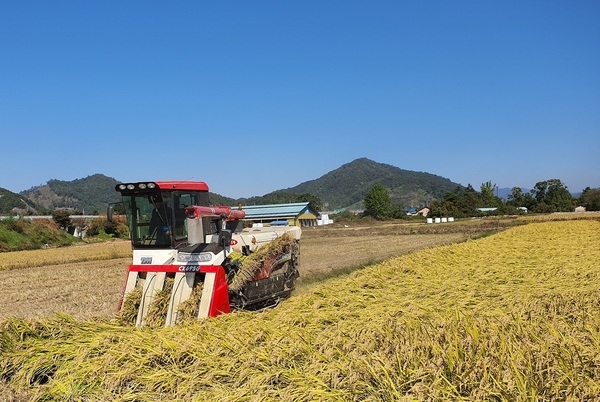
x,y
345,187
348,185
90,195
14,204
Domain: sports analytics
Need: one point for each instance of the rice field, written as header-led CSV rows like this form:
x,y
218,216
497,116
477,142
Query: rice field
x,y
62,255
69,281
514,316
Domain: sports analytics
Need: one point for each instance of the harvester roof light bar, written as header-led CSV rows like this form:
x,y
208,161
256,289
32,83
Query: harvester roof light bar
x,y
202,257
162,185
136,186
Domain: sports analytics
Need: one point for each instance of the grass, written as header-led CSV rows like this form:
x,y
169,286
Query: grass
x,y
509,317
18,234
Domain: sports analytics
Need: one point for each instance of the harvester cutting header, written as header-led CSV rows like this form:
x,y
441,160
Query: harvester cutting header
x,y
200,256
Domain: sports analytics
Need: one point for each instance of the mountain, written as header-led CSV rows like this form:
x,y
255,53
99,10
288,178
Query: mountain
x,y
344,187
13,204
347,186
90,194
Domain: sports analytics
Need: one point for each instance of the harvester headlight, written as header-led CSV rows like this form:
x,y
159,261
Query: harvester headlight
x,y
130,186
151,185
122,186
187,257
142,186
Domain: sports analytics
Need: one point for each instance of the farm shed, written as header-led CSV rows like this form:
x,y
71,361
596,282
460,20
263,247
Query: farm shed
x,y
414,212
486,209
424,211
298,214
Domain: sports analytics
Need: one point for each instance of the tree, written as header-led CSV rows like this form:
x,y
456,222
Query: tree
x,y
459,203
552,196
314,203
488,199
62,217
590,199
469,199
378,203
517,198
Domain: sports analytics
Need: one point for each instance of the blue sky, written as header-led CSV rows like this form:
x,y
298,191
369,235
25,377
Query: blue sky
x,y
256,96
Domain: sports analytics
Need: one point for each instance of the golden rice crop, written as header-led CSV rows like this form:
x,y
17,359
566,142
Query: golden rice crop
x,y
560,216
54,256
188,310
251,264
130,306
157,310
514,316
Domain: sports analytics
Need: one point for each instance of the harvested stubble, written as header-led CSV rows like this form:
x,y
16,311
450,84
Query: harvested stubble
x,y
513,316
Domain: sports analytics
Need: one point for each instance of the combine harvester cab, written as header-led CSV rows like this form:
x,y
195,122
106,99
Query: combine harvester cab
x,y
200,256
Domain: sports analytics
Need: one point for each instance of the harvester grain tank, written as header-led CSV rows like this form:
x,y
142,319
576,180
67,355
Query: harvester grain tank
x,y
201,254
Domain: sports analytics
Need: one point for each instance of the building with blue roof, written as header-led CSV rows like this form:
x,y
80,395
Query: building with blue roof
x,y
293,214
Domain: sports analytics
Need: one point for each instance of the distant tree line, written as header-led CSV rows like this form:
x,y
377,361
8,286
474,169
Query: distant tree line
x,y
546,197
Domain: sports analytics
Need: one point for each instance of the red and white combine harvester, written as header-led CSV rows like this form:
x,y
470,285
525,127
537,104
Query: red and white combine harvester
x,y
177,237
